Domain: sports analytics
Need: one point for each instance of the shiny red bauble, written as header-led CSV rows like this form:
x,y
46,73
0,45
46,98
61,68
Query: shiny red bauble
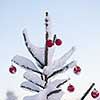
x,y
71,88
77,70
12,69
49,43
94,93
58,42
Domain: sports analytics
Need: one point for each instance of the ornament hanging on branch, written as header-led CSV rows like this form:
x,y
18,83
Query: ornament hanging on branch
x,y
12,69
49,43
77,70
95,93
58,42
71,88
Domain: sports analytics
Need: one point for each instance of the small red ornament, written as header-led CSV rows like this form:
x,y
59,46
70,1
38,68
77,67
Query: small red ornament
x,y
77,70
49,43
94,93
58,42
71,88
12,69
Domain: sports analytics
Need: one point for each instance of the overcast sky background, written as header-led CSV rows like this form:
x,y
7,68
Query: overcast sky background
x,y
76,22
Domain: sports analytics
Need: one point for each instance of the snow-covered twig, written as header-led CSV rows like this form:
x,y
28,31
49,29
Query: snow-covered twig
x,y
53,92
25,63
27,42
58,71
30,86
62,60
34,83
31,77
63,82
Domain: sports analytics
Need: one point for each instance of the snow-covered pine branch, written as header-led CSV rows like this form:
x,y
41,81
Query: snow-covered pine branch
x,y
62,82
53,92
60,70
25,63
35,51
30,86
35,79
40,96
58,82
62,60
58,65
54,95
38,52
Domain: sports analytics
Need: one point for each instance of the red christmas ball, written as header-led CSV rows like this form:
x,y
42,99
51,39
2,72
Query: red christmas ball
x,y
71,88
77,70
49,43
12,69
94,93
58,42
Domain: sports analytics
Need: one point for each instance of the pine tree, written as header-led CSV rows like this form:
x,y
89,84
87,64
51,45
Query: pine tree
x,y
40,74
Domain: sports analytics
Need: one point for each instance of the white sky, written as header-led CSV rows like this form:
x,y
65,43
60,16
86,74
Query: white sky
x,y
76,22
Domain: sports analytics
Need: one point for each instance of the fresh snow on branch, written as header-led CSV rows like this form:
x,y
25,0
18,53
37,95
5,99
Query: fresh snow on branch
x,y
30,86
48,93
25,63
32,77
58,82
62,60
40,96
58,64
38,52
56,96
52,72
